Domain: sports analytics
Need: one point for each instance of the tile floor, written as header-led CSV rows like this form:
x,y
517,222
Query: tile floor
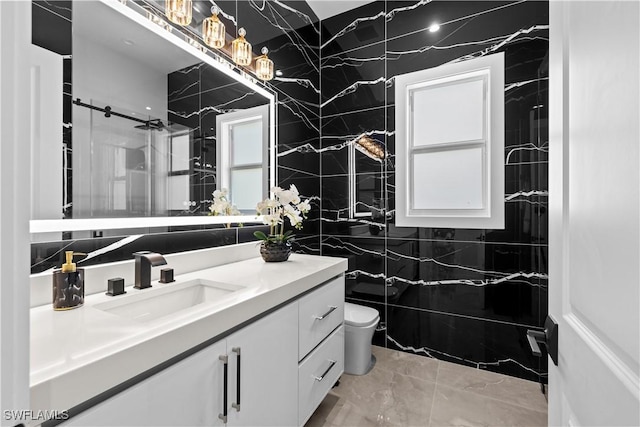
x,y
408,390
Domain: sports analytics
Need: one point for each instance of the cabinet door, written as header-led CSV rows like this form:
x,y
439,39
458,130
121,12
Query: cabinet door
x,y
268,380
187,393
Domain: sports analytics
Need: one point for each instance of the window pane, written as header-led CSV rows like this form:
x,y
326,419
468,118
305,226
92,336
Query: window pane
x,y
180,153
246,188
246,143
178,192
448,113
451,179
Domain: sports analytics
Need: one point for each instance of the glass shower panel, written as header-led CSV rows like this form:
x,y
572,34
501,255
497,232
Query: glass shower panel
x,y
129,166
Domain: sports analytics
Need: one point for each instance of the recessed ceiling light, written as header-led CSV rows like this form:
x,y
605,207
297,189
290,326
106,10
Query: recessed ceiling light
x,y
148,108
278,73
434,27
128,42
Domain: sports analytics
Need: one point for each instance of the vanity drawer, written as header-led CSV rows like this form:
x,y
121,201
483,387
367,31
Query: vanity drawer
x,y
319,372
320,312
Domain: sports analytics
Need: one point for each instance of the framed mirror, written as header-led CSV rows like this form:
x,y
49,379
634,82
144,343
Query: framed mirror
x,y
151,110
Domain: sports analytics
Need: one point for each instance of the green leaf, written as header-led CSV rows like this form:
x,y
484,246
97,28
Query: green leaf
x,y
260,235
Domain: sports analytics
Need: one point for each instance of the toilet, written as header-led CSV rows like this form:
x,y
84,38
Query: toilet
x,y
360,323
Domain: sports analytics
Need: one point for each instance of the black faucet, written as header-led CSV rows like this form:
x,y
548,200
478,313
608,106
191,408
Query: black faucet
x,y
144,261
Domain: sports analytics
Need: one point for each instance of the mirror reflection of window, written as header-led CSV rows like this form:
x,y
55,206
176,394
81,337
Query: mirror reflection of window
x,y
178,188
366,178
242,164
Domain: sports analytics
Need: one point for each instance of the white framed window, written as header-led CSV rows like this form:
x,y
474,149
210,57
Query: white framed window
x,y
242,156
450,145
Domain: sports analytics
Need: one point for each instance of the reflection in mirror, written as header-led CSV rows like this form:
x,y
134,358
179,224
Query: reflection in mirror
x,y
367,158
145,116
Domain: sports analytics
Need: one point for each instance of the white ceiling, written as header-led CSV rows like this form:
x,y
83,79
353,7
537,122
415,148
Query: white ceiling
x,y
327,8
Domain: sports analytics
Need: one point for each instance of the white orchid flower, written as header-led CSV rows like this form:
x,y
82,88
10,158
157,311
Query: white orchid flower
x,y
304,206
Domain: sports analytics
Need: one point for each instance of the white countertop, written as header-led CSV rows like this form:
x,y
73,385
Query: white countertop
x,y
80,353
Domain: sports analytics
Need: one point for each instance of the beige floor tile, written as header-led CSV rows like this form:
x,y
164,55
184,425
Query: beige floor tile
x,y
456,407
388,398
421,367
490,384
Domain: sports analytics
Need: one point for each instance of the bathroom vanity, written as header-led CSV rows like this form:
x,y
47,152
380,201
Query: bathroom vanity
x,y
241,343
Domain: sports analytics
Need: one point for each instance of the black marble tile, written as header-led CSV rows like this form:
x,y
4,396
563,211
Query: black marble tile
x,y
354,87
353,29
184,82
494,346
185,111
365,277
298,133
291,110
245,233
306,244
303,159
490,281
51,25
350,125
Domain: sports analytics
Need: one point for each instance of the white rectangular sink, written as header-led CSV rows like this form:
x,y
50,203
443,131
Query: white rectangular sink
x,y
151,304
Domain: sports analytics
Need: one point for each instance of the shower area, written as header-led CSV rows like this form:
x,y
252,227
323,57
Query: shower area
x,y
128,164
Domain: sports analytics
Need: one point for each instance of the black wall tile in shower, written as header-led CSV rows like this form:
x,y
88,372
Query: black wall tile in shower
x,y
485,344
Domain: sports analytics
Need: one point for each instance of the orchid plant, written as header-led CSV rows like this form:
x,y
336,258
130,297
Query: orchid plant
x,y
284,204
222,206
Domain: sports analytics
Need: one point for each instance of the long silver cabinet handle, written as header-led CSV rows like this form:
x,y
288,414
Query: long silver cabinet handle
x,y
321,377
331,308
223,415
236,405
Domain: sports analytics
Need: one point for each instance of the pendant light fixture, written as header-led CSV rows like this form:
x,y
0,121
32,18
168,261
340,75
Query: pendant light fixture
x,y
213,31
241,49
264,66
371,147
178,11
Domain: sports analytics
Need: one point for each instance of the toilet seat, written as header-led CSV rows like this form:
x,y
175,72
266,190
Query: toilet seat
x,y
360,316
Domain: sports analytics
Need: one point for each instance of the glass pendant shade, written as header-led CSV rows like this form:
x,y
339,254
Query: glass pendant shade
x,y
178,11
264,66
213,31
241,49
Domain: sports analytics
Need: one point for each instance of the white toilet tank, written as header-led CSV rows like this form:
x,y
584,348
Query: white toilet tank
x,y
360,324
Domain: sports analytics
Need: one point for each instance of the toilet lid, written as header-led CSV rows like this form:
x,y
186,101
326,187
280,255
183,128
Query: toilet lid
x,y
358,315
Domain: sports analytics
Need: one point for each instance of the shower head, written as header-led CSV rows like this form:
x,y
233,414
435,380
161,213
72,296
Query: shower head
x,y
155,124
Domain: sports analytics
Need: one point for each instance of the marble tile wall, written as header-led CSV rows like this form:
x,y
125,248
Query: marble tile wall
x,y
464,296
291,32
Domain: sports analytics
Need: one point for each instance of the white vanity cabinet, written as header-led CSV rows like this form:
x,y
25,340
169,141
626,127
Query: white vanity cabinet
x,y
278,370
187,393
321,345
191,392
268,379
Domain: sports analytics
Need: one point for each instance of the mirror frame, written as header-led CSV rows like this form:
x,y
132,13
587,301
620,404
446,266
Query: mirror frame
x,y
221,64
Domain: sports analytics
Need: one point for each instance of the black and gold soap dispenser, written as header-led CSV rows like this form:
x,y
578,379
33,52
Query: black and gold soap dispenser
x,y
68,284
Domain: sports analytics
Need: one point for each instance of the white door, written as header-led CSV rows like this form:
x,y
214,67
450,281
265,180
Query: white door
x,y
594,252
268,378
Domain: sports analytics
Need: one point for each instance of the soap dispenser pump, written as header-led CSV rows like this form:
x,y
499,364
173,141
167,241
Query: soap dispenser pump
x,y
68,284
